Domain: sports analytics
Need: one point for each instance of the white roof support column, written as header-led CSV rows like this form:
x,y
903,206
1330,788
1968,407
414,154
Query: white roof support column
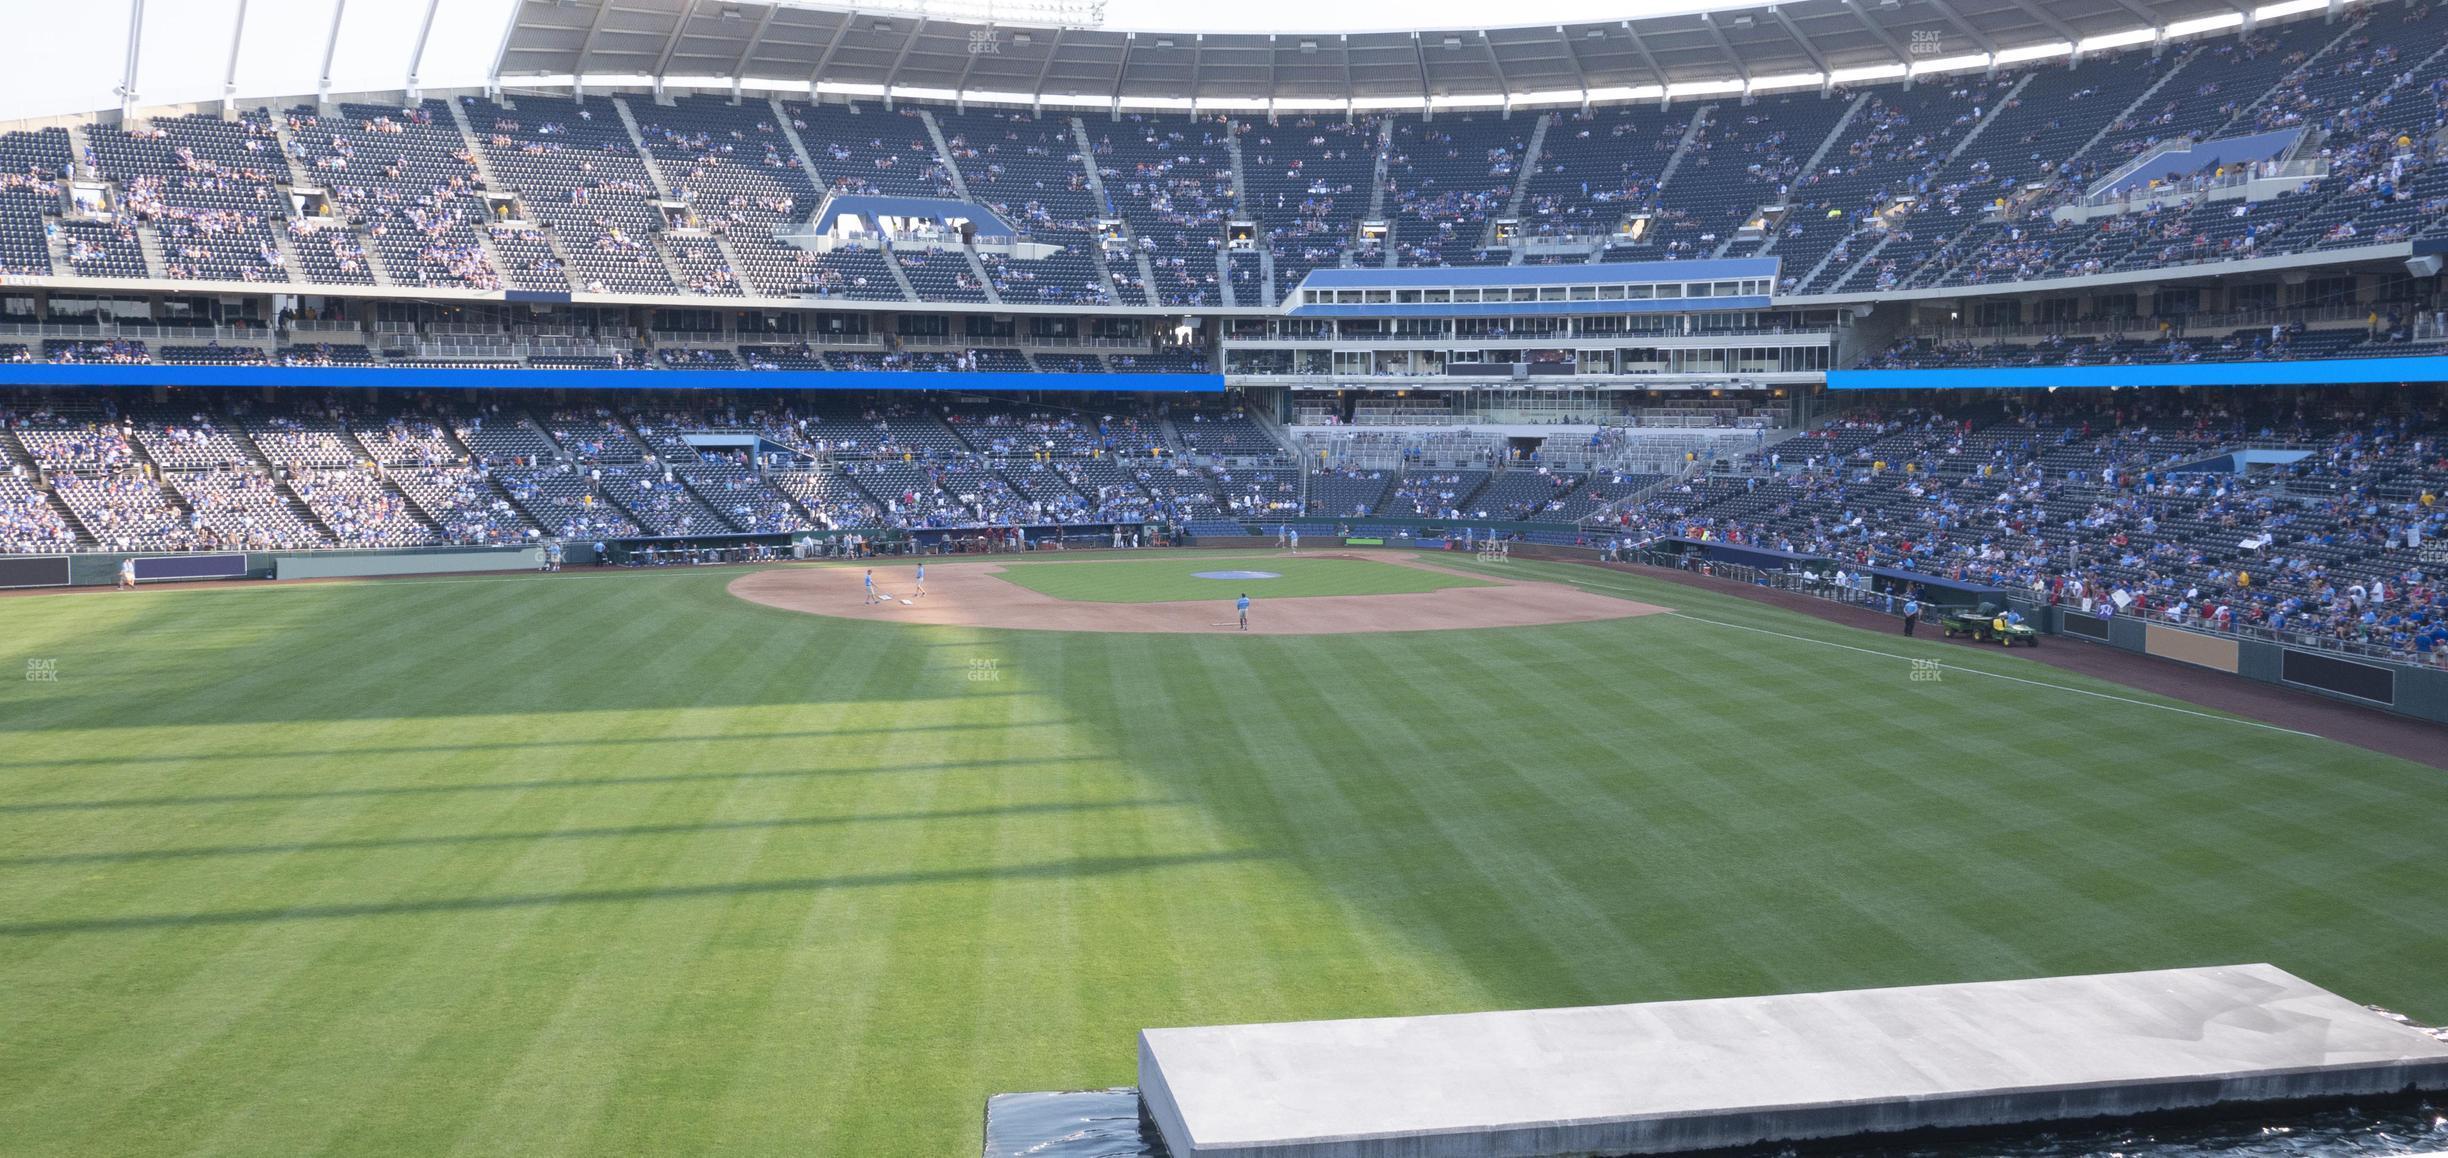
x,y
1580,75
739,70
1946,12
1732,58
1504,85
1827,76
2148,18
841,32
493,86
1876,29
1642,47
135,42
586,51
1198,57
1274,87
2057,26
1350,83
960,101
416,59
916,30
671,44
1045,68
331,48
229,79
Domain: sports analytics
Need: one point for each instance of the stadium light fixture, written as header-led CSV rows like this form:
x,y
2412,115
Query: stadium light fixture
x,y
2035,52
1789,80
2281,11
1969,63
2117,40
2217,23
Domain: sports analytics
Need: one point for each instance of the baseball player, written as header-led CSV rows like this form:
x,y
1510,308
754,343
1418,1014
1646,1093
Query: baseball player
x,y
1242,606
871,595
921,579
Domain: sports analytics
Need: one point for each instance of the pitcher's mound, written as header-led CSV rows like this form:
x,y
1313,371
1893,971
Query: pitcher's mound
x,y
971,594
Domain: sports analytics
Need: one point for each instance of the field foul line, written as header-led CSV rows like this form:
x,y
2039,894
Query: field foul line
x,y
2001,676
1579,581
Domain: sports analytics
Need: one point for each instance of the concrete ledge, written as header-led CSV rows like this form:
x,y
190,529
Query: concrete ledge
x,y
1692,1075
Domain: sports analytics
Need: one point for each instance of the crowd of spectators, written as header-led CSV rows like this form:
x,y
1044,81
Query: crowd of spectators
x,y
2129,509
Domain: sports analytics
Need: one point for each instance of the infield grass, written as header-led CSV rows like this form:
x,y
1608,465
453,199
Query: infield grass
x,y
619,864
1173,577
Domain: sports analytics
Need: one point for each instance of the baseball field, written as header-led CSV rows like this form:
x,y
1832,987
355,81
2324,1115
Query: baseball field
x,y
629,863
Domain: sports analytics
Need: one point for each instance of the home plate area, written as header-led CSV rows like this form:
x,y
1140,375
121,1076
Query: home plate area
x,y
980,594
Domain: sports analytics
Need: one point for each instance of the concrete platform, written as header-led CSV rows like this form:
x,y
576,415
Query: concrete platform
x,y
1690,1075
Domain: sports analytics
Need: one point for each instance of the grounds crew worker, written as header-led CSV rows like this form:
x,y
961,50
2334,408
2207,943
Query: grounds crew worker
x,y
1912,614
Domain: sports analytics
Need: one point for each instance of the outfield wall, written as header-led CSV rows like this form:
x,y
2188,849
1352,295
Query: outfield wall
x,y
2402,688
338,565
162,568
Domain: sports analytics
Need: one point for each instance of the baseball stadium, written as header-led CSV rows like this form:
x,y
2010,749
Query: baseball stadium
x,y
1086,580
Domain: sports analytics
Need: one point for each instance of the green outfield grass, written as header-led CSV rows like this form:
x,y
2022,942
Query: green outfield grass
x,y
618,864
1173,577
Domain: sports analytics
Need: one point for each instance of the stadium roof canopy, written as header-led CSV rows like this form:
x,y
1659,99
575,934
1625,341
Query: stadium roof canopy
x,y
877,50
133,54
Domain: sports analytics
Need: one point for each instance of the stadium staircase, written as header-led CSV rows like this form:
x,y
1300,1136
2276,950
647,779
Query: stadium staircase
x,y
1147,278
152,471
13,453
1809,167
1232,148
807,163
2125,115
1130,236
943,153
244,440
1377,189
1838,283
892,264
484,234
56,241
2242,121
1521,177
287,248
1691,133
977,269
298,173
301,175
149,243
475,145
